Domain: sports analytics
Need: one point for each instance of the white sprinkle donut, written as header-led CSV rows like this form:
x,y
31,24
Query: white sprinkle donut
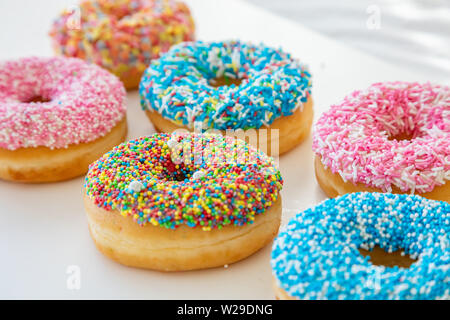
x,y
392,137
57,115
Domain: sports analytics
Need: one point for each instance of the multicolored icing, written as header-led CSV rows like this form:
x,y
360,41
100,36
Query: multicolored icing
x,y
177,85
317,256
198,180
356,138
122,35
82,102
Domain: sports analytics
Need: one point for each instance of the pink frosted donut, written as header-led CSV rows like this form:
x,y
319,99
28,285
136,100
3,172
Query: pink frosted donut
x,y
391,137
51,105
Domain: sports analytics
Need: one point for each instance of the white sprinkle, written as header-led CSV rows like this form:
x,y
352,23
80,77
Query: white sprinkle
x,y
135,186
172,143
198,175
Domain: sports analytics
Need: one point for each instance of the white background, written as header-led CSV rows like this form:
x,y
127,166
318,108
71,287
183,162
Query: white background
x,y
43,228
413,34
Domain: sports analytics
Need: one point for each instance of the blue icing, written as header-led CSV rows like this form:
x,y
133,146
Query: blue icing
x,y
177,87
317,257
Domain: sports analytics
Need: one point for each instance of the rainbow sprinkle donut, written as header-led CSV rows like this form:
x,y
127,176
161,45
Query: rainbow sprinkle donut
x,y
228,85
122,36
217,191
391,137
317,257
57,115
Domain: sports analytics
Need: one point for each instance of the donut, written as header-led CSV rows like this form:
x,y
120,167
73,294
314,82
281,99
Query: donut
x,y
121,36
392,137
183,201
57,115
258,91
320,253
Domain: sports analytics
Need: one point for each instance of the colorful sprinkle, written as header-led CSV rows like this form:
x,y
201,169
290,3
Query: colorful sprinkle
x,y
177,85
122,35
82,102
317,255
356,138
207,181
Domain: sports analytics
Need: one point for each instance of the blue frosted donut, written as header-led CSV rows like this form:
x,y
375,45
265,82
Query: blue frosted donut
x,y
177,85
317,257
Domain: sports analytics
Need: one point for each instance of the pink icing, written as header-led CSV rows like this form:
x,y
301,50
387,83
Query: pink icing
x,y
352,137
85,102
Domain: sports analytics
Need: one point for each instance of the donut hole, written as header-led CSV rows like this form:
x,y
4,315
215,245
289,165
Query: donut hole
x,y
36,99
225,81
380,257
177,176
173,173
401,136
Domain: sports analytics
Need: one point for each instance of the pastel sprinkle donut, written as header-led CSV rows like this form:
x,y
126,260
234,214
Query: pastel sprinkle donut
x,y
122,36
212,200
391,137
229,85
57,115
317,255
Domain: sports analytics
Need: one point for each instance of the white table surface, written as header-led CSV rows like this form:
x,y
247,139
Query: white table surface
x,y
413,34
43,228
